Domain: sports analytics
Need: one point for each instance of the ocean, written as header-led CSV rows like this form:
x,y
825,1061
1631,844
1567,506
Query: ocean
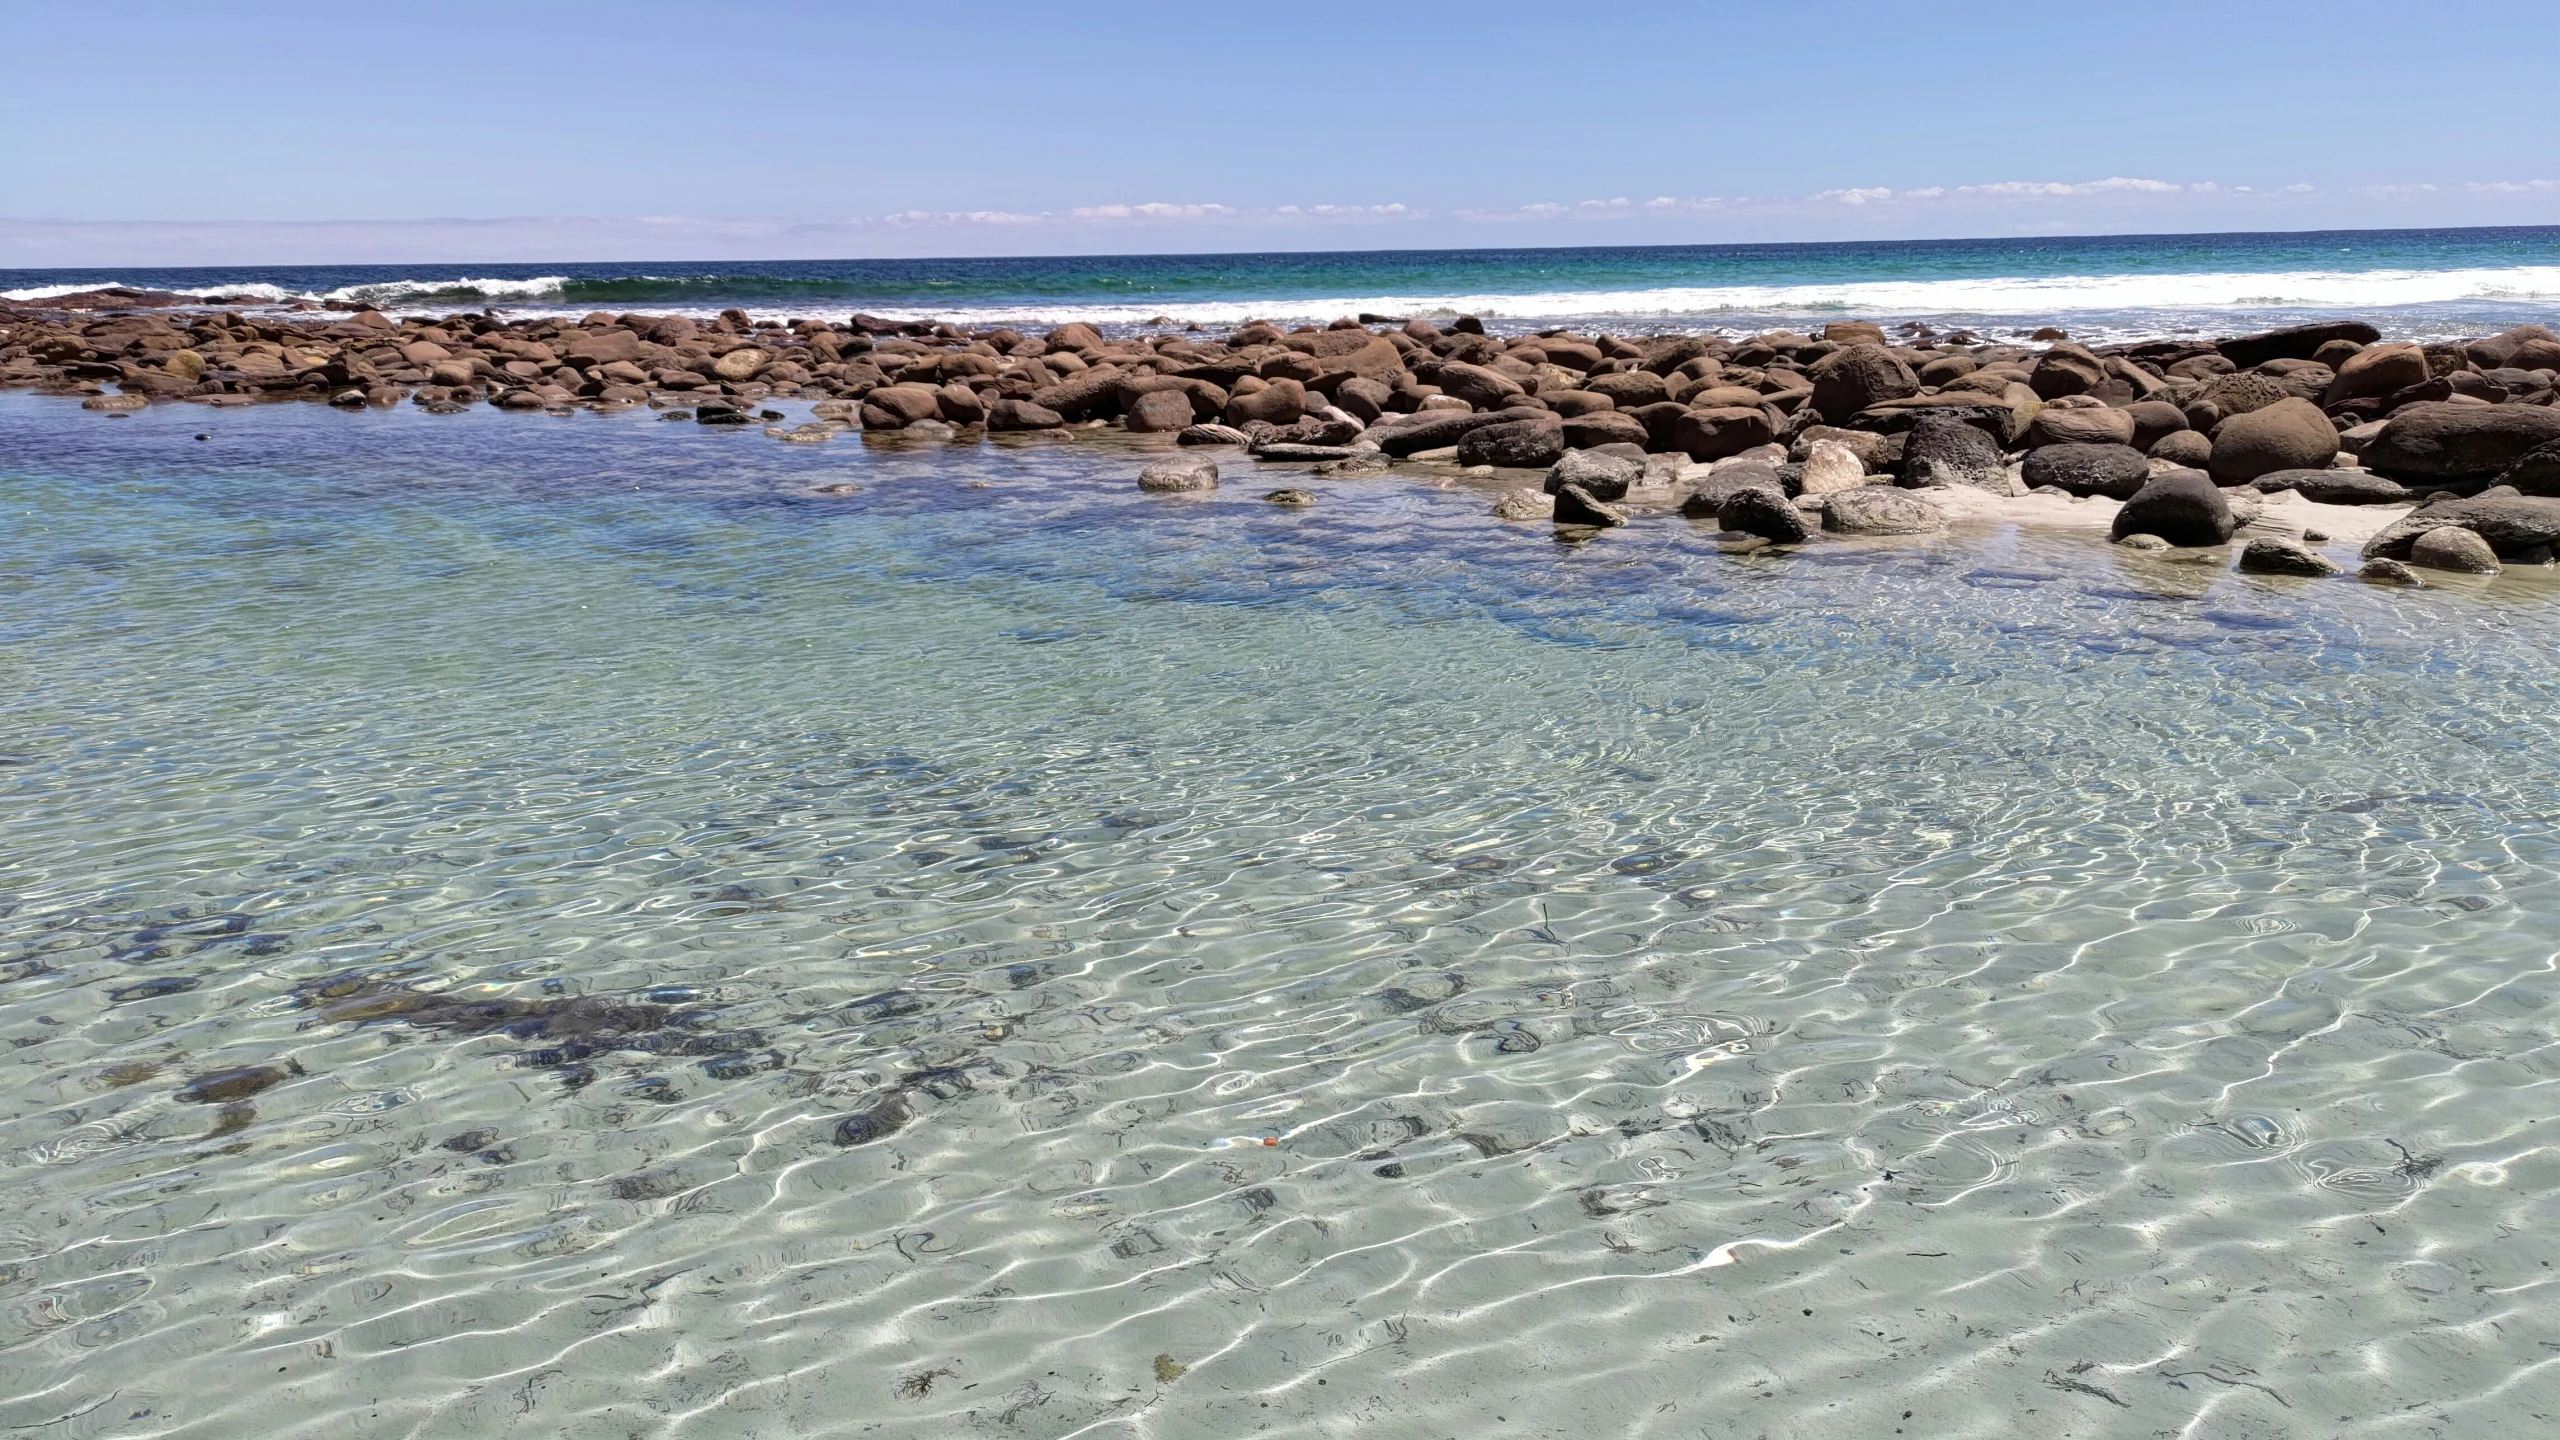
x,y
584,926
2420,283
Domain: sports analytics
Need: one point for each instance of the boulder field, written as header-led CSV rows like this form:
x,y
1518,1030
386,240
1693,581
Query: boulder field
x,y
2463,433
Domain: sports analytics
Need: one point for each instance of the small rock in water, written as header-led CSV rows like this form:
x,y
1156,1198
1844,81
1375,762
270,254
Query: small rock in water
x,y
1179,477
2383,571
1294,499
1168,1370
2142,542
1524,503
1211,435
1575,506
223,1086
1368,464
2283,557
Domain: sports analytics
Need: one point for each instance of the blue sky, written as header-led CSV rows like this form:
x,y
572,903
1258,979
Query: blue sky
x,y
162,133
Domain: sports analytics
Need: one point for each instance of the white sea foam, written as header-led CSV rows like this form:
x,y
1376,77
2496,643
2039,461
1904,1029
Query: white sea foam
x,y
245,289
1986,296
396,292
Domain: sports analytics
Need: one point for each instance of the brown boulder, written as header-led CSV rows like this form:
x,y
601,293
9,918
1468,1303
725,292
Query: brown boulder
x,y
1848,381
1022,415
2454,441
1629,389
1279,402
2291,434
1716,434
1159,411
2376,370
1481,387
2066,370
2093,425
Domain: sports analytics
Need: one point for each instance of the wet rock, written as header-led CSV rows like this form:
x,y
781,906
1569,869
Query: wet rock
x,y
2283,557
1577,506
1514,444
2516,526
2290,434
879,1122
2183,507
115,403
1187,475
1291,499
2451,441
2115,471
1524,504
1882,510
2454,548
1355,466
222,1087
1604,477
2381,571
1764,511
2141,542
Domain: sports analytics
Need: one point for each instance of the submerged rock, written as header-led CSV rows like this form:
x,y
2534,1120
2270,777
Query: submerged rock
x,y
2451,547
2283,557
2183,507
1179,476
1882,510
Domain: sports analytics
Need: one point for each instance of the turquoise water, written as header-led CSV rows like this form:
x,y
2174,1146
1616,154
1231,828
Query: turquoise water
x,y
2409,282
736,961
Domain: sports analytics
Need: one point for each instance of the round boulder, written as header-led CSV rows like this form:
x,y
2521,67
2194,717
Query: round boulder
x,y
1849,380
2290,434
2089,425
2284,557
2447,441
1764,511
2454,548
1882,510
1958,454
1159,411
1716,434
2187,449
2183,507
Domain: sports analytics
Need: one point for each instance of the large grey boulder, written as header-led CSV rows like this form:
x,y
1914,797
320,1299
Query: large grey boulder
x,y
2183,507
2115,471
2517,527
2444,440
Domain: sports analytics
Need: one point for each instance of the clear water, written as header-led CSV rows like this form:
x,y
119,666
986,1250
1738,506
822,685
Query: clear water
x,y
2421,283
1984,987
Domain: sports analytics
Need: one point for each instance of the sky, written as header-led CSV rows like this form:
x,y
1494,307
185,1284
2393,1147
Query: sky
x,y
158,133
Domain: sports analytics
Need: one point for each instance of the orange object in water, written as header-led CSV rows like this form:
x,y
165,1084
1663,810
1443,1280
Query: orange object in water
x,y
1270,1142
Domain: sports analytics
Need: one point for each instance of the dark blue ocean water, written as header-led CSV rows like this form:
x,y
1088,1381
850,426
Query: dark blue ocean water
x,y
2410,281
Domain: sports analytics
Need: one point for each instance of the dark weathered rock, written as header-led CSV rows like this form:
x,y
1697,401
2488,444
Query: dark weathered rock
x,y
2454,548
2298,342
2291,434
2516,526
2332,486
2183,507
1882,510
1436,428
2115,471
1577,506
2535,472
2284,557
1603,477
2154,421
1570,403
1365,398
1763,511
1514,444
1191,474
1850,380
1957,453
2390,572
2453,441
1706,502
2498,351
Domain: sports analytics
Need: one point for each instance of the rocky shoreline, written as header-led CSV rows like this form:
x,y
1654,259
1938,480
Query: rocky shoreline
x,y
2442,456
